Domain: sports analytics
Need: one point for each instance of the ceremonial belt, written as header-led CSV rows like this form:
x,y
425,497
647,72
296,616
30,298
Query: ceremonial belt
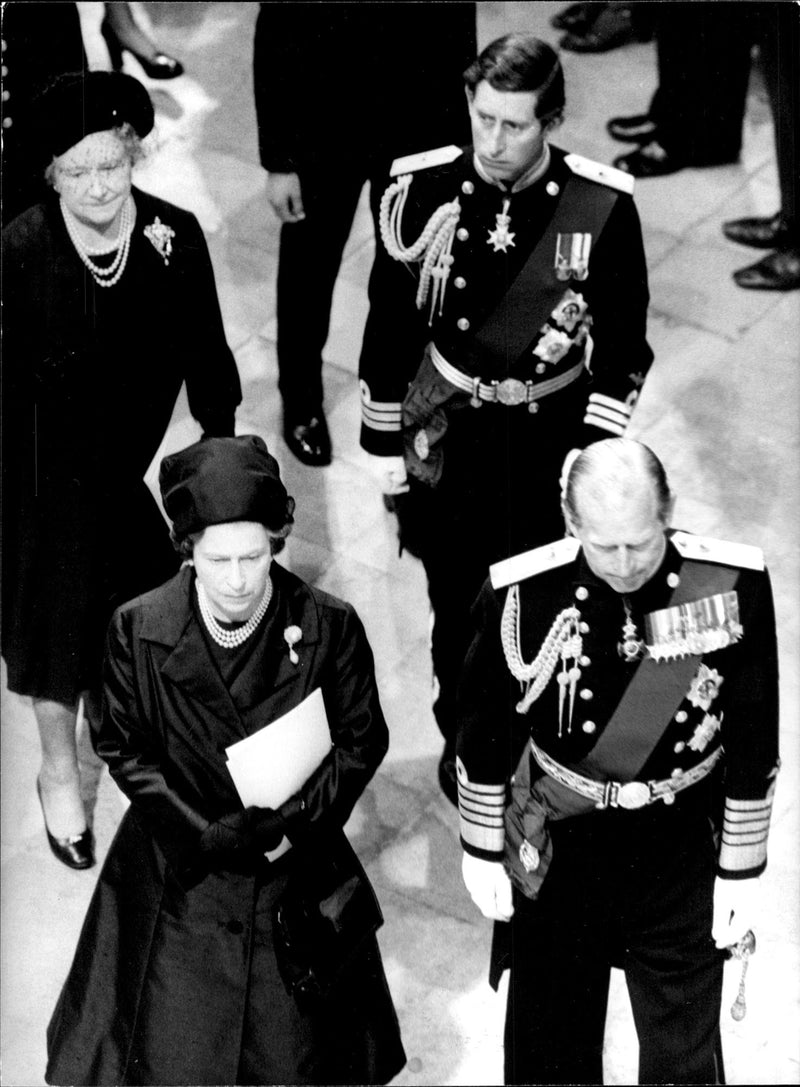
x,y
510,391
519,315
630,794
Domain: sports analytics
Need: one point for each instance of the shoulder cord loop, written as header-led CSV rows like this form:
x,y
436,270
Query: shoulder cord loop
x,y
433,246
563,641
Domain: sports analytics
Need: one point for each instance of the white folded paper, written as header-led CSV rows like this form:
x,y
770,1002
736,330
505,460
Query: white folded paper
x,y
271,765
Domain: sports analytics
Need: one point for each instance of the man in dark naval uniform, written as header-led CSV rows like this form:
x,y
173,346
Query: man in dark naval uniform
x,y
617,756
531,295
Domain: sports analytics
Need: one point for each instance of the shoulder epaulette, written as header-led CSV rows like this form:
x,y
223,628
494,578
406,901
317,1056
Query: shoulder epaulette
x,y
706,549
440,156
598,171
537,561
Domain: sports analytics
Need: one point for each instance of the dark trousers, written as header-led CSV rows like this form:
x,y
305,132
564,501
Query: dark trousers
x,y
309,260
703,71
779,45
626,889
498,495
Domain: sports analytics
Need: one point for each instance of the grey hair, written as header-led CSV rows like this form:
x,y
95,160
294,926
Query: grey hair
x,y
127,136
613,465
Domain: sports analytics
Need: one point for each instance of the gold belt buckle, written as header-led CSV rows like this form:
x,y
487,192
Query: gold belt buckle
x,y
511,392
632,795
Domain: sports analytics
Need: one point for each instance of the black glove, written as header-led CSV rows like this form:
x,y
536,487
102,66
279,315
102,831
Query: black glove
x,y
242,834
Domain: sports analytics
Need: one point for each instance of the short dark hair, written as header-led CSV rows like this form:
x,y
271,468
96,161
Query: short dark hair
x,y
521,62
611,463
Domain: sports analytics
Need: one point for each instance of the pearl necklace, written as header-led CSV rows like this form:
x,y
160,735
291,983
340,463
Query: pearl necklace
x,y
230,639
103,277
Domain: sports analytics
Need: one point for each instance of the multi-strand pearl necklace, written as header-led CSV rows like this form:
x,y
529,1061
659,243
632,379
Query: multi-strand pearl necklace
x,y
230,639
103,277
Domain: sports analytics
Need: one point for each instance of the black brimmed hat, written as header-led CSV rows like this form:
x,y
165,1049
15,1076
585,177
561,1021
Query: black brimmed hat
x,y
77,104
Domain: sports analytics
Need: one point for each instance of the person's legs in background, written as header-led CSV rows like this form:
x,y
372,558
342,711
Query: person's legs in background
x,y
779,41
310,255
58,784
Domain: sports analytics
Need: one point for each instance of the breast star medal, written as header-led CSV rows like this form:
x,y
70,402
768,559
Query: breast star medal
x,y
501,237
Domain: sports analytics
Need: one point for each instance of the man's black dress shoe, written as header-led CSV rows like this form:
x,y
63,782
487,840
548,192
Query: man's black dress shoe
x,y
639,128
649,160
780,271
309,440
576,17
76,851
770,233
612,28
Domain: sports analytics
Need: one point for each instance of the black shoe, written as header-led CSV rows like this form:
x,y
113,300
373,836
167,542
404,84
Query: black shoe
x,y
649,160
76,851
780,271
448,781
159,66
771,233
612,28
309,440
576,17
640,128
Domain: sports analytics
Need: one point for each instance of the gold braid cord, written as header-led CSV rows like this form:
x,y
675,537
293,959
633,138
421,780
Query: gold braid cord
x,y
563,642
433,246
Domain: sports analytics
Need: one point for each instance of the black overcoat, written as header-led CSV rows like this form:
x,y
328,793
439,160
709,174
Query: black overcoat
x,y
167,718
90,379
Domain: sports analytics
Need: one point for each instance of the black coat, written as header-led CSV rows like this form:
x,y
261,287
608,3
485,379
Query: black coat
x,y
167,718
345,83
90,379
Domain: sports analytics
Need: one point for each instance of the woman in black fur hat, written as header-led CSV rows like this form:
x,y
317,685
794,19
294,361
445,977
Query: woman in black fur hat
x,y
230,939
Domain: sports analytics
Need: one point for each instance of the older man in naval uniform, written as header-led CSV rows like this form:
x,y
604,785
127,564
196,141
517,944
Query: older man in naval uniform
x,y
617,755
529,288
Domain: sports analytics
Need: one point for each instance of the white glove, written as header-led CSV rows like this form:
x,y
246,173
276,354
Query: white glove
x,y
489,887
736,905
389,472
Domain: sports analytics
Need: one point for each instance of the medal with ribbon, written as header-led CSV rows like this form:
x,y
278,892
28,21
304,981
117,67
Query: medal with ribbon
x,y
698,626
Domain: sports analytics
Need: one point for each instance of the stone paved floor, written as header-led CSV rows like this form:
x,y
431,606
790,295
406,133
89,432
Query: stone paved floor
x,y
720,407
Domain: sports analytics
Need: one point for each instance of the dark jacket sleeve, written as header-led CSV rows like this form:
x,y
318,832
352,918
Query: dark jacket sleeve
x,y
621,356
212,379
359,734
130,745
489,739
749,731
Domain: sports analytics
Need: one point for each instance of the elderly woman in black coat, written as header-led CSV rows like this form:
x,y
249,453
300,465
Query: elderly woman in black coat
x,y
202,961
110,306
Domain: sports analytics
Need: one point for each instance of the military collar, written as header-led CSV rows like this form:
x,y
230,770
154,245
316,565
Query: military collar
x,y
651,595
530,177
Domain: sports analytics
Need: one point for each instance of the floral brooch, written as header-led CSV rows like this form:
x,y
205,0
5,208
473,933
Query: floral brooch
x,y
292,635
160,236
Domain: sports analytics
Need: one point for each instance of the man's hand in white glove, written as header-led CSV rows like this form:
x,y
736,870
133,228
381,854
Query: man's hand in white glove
x,y
736,905
389,472
489,887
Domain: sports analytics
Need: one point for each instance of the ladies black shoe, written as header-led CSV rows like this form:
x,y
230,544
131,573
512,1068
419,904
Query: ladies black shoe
x,y
77,851
769,233
159,66
639,128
